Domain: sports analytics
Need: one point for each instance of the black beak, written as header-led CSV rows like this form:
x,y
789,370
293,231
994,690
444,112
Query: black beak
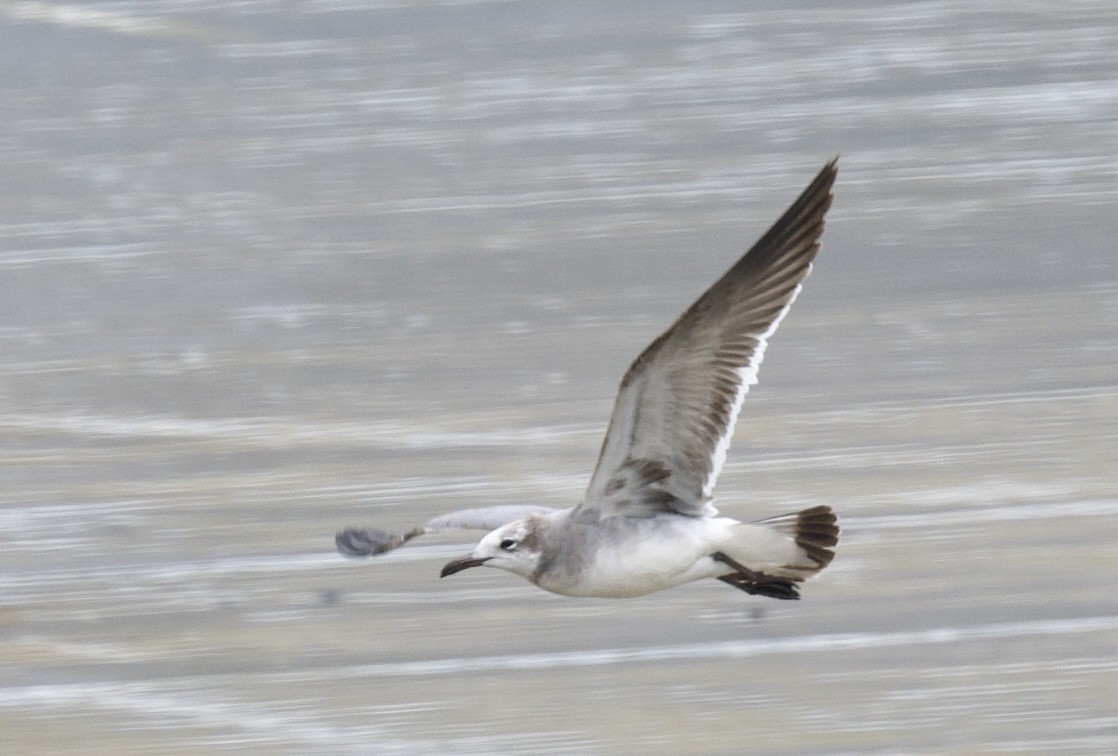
x,y
461,563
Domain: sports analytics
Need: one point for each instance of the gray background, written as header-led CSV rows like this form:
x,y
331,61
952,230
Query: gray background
x,y
273,268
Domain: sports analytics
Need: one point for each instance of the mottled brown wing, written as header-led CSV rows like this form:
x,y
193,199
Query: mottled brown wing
x,y
363,542
675,411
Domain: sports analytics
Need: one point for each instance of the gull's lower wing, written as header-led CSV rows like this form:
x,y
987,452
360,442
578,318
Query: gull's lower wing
x,y
363,542
676,408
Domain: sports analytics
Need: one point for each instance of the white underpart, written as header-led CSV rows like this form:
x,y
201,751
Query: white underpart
x,y
748,377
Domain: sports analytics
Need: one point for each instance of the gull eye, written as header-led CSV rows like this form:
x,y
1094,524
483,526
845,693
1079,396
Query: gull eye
x,y
508,544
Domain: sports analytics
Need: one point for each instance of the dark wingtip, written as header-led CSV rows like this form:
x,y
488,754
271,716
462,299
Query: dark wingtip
x,y
365,542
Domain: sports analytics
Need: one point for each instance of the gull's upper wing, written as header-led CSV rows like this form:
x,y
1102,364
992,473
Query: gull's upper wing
x,y
484,518
675,411
358,542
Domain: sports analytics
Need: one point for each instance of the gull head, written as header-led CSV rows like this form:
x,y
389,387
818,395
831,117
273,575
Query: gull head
x,y
514,547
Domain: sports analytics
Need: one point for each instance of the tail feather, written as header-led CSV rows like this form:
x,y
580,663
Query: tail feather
x,y
817,533
789,547
814,530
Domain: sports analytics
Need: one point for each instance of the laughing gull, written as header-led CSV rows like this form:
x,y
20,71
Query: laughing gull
x,y
647,521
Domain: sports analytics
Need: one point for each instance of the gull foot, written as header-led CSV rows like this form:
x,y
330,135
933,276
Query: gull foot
x,y
757,583
767,586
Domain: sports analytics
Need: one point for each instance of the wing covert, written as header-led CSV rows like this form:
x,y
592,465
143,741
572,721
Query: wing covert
x,y
675,411
363,542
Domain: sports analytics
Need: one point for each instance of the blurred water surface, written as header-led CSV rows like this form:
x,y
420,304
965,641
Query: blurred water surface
x,y
272,268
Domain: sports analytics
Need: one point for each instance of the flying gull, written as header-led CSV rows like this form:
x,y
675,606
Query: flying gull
x,y
647,521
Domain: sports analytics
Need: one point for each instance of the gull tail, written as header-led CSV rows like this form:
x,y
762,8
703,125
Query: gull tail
x,y
815,533
769,557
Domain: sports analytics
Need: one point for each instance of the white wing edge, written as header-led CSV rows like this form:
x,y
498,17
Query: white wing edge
x,y
748,373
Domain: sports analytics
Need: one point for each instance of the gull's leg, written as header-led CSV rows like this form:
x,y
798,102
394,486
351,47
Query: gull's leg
x,y
756,583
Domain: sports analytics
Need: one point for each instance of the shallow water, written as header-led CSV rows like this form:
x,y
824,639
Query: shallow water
x,y
272,269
